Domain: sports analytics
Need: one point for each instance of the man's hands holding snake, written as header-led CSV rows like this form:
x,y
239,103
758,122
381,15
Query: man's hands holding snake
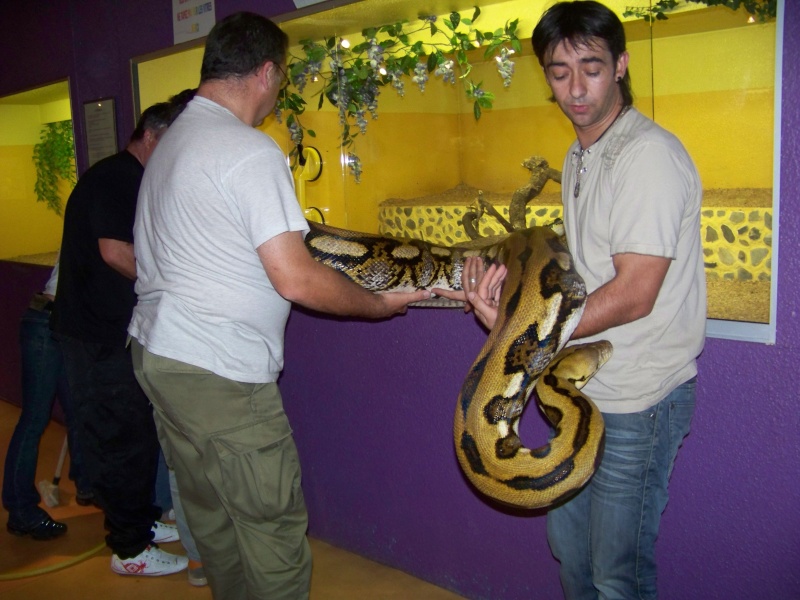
x,y
482,289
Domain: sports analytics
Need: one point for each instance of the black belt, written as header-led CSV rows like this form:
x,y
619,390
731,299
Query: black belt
x,y
41,303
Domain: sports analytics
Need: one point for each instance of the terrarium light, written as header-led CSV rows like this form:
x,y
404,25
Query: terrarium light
x,y
345,43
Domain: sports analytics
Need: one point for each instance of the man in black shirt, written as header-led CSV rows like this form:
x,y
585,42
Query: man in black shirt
x,y
94,303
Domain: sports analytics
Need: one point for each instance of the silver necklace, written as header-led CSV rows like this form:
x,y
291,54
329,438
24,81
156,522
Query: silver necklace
x,y
578,154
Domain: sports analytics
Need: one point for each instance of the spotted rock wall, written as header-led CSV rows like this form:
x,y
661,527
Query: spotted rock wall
x,y
737,242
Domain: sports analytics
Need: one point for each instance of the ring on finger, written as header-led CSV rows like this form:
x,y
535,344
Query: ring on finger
x,y
473,281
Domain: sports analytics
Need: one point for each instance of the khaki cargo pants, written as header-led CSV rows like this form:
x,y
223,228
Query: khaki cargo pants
x,y
238,472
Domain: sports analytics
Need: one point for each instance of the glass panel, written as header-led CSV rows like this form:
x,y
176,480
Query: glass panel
x,y
706,74
720,104
35,185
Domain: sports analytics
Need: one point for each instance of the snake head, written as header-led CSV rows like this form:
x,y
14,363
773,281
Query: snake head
x,y
579,363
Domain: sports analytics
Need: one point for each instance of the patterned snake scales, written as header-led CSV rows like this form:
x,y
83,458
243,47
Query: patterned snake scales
x,y
541,304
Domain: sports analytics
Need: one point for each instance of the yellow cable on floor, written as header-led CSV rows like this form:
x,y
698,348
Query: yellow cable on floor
x,y
51,568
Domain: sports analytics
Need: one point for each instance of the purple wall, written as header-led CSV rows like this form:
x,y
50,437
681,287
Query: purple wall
x,y
372,404
91,42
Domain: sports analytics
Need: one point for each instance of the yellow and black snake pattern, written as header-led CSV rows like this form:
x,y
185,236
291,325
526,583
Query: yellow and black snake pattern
x,y
540,306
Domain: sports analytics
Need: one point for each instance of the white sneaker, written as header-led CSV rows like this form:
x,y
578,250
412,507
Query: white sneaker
x,y
165,533
151,562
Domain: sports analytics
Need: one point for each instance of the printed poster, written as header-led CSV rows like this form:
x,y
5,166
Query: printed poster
x,y
191,19
304,3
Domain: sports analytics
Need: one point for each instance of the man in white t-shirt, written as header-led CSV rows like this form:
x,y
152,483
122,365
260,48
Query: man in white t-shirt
x,y
220,257
632,199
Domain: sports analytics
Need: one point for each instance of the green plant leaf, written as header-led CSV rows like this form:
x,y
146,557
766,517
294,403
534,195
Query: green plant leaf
x,y
54,161
432,62
353,86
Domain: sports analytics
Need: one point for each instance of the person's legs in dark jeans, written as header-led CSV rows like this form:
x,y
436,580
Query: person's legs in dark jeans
x,y
120,445
42,374
77,470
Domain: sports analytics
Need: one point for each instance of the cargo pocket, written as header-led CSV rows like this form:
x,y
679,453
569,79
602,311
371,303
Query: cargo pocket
x,y
259,469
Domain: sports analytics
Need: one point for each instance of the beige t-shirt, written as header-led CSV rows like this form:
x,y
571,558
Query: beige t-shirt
x,y
640,192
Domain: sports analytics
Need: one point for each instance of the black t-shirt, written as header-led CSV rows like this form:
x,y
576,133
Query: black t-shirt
x,y
94,303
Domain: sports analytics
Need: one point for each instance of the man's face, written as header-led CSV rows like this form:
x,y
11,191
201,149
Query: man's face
x,y
583,80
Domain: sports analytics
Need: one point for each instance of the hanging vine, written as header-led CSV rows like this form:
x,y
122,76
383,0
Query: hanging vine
x,y
54,161
763,9
355,74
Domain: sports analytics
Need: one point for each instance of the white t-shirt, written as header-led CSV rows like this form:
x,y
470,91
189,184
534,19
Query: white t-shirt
x,y
214,190
640,193
52,282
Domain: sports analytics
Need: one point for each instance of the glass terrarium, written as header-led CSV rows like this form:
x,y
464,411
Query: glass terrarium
x,y
436,146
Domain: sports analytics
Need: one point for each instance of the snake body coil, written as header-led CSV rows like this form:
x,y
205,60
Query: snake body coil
x,y
540,306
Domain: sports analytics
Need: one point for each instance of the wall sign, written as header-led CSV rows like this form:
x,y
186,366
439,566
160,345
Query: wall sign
x,y
101,128
304,3
191,19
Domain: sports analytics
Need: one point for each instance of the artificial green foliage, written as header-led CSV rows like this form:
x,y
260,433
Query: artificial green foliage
x,y
763,9
353,76
54,159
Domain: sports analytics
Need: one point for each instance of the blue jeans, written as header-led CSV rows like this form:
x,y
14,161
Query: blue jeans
x,y
605,536
162,497
43,376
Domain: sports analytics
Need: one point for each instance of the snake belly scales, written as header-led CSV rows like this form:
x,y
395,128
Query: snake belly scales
x,y
540,305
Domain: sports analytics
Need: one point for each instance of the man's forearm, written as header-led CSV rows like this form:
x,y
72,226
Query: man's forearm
x,y
119,256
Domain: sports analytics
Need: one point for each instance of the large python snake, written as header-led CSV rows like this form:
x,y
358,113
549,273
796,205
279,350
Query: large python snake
x,y
540,306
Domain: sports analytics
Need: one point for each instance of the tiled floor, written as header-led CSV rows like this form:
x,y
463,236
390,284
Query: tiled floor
x,y
76,567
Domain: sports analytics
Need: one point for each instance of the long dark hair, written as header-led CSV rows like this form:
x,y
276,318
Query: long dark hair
x,y
239,44
581,23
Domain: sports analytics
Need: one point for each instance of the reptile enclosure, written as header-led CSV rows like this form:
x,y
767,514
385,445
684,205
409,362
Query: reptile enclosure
x,y
705,74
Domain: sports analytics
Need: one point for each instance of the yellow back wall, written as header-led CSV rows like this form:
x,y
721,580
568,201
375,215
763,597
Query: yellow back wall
x,y
714,90
26,226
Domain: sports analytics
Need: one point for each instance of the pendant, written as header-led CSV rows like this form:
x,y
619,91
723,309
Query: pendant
x,y
579,170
